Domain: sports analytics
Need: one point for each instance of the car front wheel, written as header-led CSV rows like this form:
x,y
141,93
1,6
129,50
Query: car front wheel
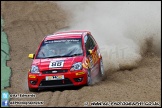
x,y
33,89
89,79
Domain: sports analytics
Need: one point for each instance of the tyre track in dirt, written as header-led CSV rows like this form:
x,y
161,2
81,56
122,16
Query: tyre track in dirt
x,y
27,27
54,99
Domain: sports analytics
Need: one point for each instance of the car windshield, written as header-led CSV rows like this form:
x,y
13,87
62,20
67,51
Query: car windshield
x,y
60,48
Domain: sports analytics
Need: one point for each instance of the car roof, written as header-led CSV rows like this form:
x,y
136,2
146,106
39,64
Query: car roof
x,y
67,34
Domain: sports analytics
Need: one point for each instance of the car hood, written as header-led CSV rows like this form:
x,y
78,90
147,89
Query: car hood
x,y
43,64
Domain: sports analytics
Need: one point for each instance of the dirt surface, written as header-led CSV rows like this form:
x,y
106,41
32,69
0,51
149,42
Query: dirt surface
x,y
26,23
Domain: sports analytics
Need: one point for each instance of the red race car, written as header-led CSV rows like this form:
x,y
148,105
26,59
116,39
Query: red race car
x,y
69,58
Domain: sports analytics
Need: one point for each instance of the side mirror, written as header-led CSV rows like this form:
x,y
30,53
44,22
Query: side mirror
x,y
89,52
31,56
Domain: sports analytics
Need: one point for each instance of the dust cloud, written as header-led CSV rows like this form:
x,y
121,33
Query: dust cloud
x,y
125,31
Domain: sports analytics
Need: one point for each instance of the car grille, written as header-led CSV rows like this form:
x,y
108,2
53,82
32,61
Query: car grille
x,y
54,71
55,82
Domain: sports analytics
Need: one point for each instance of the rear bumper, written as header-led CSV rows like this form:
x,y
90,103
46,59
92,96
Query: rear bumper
x,y
69,80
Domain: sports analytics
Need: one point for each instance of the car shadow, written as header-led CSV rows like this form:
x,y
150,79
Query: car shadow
x,y
61,89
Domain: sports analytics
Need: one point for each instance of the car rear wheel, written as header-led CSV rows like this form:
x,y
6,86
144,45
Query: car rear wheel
x,y
101,68
33,89
89,79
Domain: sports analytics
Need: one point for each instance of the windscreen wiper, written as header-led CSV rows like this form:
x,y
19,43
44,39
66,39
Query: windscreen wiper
x,y
72,55
54,56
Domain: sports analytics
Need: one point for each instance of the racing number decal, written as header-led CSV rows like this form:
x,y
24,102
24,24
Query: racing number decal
x,y
54,64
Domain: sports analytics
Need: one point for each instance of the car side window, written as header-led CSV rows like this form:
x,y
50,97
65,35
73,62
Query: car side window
x,y
86,42
89,42
92,43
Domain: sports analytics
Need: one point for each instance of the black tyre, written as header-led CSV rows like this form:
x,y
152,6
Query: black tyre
x,y
102,72
89,79
33,89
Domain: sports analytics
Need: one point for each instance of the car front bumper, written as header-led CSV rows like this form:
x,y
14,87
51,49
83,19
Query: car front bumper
x,y
76,78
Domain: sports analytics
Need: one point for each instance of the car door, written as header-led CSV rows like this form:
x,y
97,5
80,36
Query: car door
x,y
91,45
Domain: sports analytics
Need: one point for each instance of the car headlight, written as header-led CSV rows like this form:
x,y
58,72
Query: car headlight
x,y
76,66
34,69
